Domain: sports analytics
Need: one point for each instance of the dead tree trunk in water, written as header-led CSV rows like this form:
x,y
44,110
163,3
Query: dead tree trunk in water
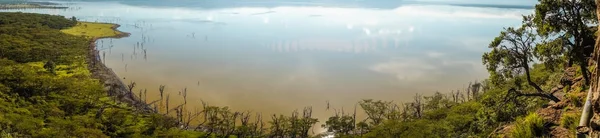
x,y
167,103
184,93
161,90
145,95
140,95
418,106
131,94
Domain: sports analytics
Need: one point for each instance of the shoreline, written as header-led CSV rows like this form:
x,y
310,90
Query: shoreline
x,y
29,6
113,85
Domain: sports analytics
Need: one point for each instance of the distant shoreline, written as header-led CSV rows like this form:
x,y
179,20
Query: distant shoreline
x,y
30,5
114,27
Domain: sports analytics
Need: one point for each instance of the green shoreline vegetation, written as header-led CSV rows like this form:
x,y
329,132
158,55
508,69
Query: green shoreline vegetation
x,y
94,30
538,78
46,89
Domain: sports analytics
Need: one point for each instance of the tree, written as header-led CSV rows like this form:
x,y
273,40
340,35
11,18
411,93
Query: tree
x,y
378,111
50,66
568,21
511,55
339,125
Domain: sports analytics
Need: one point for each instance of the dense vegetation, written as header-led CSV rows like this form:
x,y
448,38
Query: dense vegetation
x,y
529,66
46,90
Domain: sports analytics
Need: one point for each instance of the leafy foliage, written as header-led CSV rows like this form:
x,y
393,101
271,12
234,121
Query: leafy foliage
x,y
528,127
567,25
30,20
570,120
27,37
46,89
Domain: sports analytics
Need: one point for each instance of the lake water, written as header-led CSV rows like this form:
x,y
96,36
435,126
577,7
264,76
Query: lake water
x,y
276,57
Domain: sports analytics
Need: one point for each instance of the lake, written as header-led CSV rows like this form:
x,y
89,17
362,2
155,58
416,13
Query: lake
x,y
275,57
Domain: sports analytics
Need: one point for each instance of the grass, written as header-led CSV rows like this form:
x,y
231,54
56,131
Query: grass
x,y
528,127
91,30
569,121
576,99
78,68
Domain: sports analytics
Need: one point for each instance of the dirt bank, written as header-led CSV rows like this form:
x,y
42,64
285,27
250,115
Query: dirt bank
x,y
112,83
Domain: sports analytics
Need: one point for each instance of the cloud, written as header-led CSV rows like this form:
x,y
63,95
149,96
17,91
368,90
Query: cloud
x,y
430,69
405,69
367,31
209,18
451,12
434,54
411,29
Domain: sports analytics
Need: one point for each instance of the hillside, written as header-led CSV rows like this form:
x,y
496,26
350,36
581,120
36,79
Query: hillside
x,y
53,85
46,89
590,125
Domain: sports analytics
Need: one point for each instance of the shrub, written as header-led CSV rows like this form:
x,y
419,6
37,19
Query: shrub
x,y
575,99
569,120
530,126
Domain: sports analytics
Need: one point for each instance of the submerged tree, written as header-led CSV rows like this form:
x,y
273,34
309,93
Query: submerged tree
x,y
511,55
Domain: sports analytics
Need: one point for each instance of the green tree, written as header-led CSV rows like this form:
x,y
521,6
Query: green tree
x,y
73,19
570,23
340,125
50,66
511,55
378,111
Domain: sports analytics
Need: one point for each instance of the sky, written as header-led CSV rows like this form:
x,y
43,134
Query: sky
x,y
500,2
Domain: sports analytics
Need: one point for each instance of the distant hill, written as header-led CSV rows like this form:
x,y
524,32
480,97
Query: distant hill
x,y
378,4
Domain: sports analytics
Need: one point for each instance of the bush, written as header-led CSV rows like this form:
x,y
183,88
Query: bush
x,y
575,99
530,126
569,121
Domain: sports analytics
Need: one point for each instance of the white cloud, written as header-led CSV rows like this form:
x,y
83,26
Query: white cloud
x,y
411,29
209,17
349,26
434,54
367,31
454,12
429,69
404,69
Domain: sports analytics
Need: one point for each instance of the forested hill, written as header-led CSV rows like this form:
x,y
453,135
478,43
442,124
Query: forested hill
x,y
46,89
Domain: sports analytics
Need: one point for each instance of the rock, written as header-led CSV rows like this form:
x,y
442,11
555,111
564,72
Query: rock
x,y
551,115
560,132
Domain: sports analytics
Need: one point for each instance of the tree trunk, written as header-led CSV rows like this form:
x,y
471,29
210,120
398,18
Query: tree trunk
x,y
529,81
584,128
537,94
584,72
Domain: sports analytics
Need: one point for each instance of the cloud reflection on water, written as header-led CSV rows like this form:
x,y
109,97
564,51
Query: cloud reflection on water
x,y
290,57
